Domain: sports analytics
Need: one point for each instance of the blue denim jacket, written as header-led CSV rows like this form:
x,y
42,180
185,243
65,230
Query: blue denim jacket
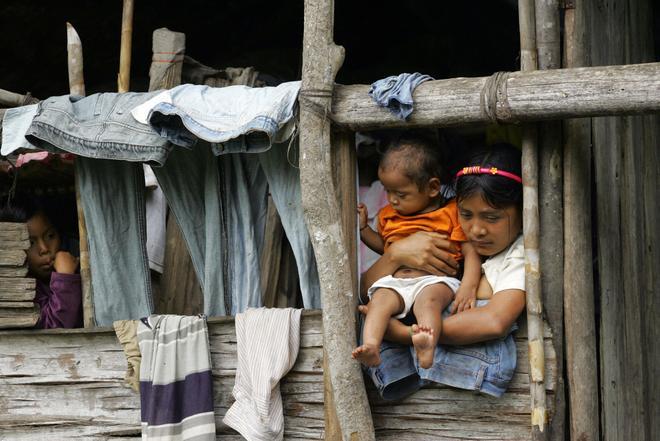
x,y
98,126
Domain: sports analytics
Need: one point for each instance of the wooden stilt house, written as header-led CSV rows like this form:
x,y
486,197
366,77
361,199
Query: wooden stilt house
x,y
588,97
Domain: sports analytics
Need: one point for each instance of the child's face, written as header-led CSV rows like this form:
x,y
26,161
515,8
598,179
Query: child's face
x,y
44,244
404,195
489,229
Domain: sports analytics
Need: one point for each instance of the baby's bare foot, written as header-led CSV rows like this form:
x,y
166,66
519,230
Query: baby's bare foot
x,y
422,340
368,355
363,309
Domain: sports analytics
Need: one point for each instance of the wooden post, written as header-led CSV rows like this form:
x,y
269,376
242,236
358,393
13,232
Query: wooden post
x,y
321,61
124,76
180,292
528,62
551,231
579,313
77,87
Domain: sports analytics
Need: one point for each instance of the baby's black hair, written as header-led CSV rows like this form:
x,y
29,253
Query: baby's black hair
x,y
498,191
419,158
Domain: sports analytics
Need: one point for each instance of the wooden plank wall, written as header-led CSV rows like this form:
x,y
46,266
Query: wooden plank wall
x,y
58,384
626,179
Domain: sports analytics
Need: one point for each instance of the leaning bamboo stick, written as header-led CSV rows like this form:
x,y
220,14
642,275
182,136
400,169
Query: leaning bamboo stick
x,y
528,62
124,77
551,232
77,87
321,61
579,308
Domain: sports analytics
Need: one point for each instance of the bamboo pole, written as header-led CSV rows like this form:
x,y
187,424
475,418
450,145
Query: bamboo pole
x,y
529,61
511,98
77,87
321,61
124,76
551,231
579,310
11,99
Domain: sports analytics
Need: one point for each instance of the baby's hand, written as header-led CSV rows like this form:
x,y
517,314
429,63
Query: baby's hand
x,y
65,263
364,215
465,299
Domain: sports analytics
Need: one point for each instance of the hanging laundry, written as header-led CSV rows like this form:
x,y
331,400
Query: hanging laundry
x,y
267,347
15,124
396,92
234,119
156,211
176,384
126,331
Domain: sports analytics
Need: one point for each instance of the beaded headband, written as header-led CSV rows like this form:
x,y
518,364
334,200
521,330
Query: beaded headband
x,y
478,170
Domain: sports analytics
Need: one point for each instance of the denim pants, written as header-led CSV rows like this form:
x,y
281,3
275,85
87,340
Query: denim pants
x,y
487,367
218,206
112,194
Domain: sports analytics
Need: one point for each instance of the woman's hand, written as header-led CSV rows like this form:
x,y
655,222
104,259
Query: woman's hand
x,y
430,252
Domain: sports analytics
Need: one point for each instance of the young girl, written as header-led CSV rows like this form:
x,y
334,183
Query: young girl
x,y
58,293
489,197
410,171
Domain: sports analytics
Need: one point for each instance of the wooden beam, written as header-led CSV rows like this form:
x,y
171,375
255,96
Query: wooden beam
x,y
579,311
551,232
77,87
511,98
321,61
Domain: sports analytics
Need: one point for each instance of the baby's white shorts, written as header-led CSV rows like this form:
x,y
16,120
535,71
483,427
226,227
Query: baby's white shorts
x,y
408,289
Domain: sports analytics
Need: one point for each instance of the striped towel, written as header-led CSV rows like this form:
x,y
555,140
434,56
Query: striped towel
x,y
176,386
268,342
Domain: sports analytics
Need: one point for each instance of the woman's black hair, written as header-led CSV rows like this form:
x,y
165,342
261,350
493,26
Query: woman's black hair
x,y
418,157
498,191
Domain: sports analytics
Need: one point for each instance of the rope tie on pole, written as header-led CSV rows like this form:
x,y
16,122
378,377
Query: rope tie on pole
x,y
305,98
493,93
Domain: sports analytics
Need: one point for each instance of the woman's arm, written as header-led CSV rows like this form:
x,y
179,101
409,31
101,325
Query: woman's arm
x,y
475,325
487,322
431,252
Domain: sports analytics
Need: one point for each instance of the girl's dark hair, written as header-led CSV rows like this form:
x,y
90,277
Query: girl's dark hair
x,y
19,210
498,191
419,158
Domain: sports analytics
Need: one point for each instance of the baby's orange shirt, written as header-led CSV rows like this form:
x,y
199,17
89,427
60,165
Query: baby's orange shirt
x,y
393,226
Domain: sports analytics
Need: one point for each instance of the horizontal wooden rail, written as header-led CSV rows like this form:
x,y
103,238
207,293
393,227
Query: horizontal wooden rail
x,y
511,97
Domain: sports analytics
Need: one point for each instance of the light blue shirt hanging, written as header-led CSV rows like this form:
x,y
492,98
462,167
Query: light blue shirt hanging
x,y
396,92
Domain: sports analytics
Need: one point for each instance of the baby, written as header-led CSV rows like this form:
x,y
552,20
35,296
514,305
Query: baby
x,y
410,171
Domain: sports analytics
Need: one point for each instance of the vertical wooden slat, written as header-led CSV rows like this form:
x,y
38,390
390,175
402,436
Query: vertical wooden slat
x,y
529,61
626,170
321,61
581,355
271,255
551,231
77,87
